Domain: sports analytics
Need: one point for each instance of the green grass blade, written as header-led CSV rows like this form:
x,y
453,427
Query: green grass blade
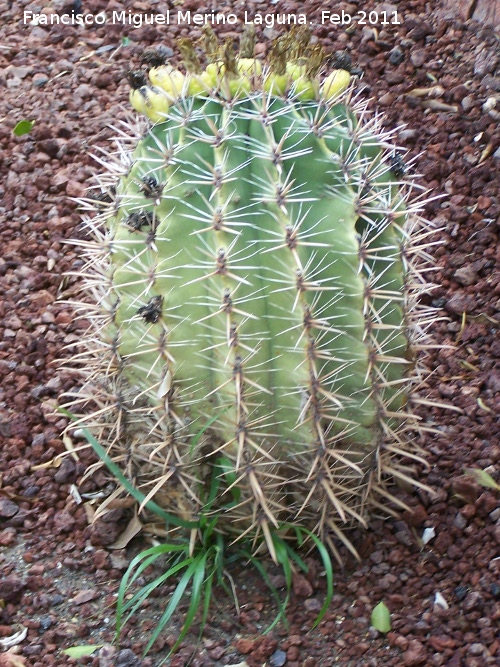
x,y
207,596
139,564
204,428
281,616
126,581
283,559
115,470
196,596
136,601
294,556
227,470
143,561
138,598
174,601
220,559
327,564
325,557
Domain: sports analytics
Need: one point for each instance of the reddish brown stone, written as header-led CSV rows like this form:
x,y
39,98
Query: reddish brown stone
x,y
301,586
85,596
441,642
415,655
11,588
244,646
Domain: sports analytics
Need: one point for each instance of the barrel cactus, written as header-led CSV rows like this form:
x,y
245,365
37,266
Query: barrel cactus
x,y
254,275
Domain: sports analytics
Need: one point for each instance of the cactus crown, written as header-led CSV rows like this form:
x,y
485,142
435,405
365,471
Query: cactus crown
x,y
256,276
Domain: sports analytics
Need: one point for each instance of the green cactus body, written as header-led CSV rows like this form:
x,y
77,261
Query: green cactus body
x,y
256,309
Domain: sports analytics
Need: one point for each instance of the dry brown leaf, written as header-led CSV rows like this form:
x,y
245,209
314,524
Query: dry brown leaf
x,y
53,463
134,527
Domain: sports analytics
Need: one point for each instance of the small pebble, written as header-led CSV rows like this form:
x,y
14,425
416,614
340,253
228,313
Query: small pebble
x,y
468,102
459,521
476,649
418,57
278,658
396,56
461,592
127,658
40,79
466,275
45,622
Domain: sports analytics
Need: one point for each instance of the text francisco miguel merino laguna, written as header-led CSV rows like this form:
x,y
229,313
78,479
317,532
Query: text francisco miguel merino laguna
x,y
178,17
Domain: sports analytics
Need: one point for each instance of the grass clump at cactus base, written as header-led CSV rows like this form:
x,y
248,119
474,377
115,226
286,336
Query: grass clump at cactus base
x,y
255,327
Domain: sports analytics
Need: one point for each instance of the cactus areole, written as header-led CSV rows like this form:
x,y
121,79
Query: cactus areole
x,y
255,276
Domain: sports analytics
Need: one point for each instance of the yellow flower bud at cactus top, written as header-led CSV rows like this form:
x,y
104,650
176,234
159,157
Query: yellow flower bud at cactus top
x,y
335,83
249,67
236,87
153,103
212,75
137,100
249,70
295,71
276,84
169,79
300,83
197,85
303,88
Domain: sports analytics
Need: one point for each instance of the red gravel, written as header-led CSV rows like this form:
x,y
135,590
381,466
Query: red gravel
x,y
55,578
